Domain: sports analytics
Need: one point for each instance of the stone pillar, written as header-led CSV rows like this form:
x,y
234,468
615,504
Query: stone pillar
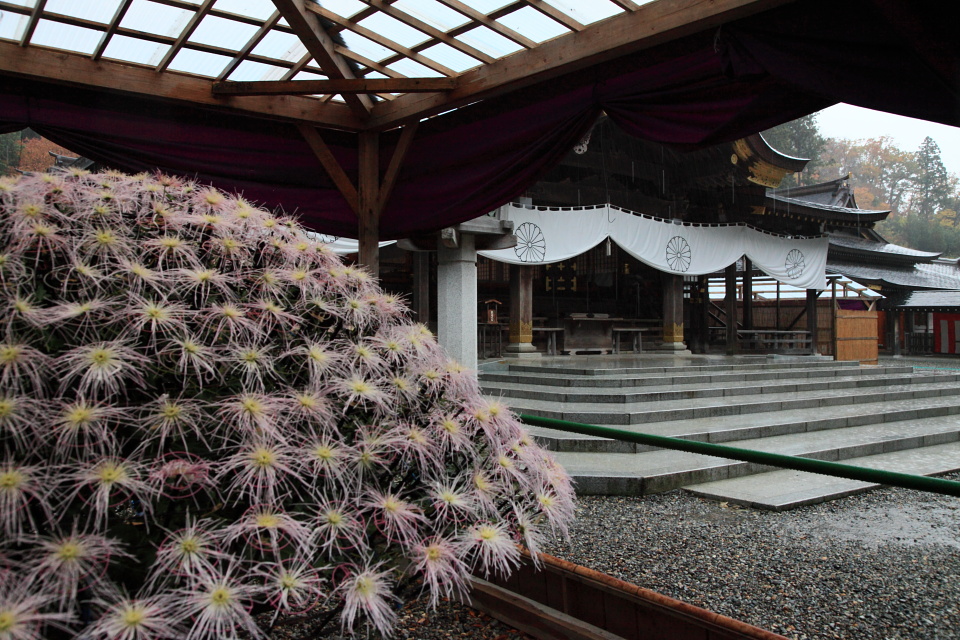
x,y
730,307
672,312
421,286
521,313
812,319
747,293
457,299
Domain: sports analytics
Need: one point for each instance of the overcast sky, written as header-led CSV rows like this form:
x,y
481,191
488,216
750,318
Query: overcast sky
x,y
854,123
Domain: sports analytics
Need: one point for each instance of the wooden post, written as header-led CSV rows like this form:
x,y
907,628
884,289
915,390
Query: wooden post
x,y
896,331
833,317
730,306
812,319
703,284
521,311
747,293
368,201
778,305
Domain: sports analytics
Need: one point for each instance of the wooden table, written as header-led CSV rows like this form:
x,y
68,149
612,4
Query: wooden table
x,y
551,337
636,333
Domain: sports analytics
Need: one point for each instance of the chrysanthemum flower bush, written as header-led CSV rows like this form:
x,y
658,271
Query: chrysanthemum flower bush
x,y
205,415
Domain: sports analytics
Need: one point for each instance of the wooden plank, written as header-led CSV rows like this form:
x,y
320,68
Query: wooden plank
x,y
481,18
430,30
555,14
650,25
359,29
199,14
306,25
261,33
330,164
32,23
343,87
112,29
66,68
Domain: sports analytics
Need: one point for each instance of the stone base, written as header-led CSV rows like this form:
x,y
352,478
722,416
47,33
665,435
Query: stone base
x,y
522,350
672,347
524,355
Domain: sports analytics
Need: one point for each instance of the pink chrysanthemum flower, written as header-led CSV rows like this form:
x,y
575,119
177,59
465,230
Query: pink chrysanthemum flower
x,y
155,316
82,320
444,573
109,481
191,552
260,471
201,282
451,501
450,432
68,563
367,592
292,586
102,367
87,426
179,418
311,409
327,458
253,415
172,251
265,527
271,315
397,519
19,419
254,363
194,360
139,277
25,610
21,484
358,390
152,617
338,527
490,546
218,606
22,367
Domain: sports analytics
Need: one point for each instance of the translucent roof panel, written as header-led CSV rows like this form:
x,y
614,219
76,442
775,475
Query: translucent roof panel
x,y
12,25
486,6
450,57
220,32
101,11
586,12
136,50
411,69
199,63
534,25
250,71
366,47
22,3
259,9
433,13
394,30
490,42
65,36
280,45
345,8
151,17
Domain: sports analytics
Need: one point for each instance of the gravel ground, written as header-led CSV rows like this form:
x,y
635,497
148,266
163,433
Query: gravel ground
x,y
881,565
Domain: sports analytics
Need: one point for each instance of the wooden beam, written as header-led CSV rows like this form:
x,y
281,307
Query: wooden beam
x,y
343,87
620,35
396,161
194,22
330,164
368,197
314,37
60,67
112,29
381,40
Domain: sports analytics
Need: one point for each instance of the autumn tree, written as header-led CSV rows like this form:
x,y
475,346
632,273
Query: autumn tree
x,y
36,154
9,152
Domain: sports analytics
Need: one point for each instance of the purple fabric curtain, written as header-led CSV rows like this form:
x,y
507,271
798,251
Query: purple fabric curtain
x,y
703,89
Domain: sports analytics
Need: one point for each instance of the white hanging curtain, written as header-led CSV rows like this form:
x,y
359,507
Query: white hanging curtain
x,y
342,246
550,235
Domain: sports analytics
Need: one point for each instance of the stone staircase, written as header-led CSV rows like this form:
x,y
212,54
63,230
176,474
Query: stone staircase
x,y
886,417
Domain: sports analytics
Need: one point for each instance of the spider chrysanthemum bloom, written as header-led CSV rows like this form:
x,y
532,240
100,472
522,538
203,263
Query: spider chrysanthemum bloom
x,y
151,618
22,367
437,560
218,606
492,547
25,613
102,368
368,592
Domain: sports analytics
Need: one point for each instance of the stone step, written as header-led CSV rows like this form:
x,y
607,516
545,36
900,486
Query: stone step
x,y
664,377
742,364
686,391
667,410
732,429
786,489
663,470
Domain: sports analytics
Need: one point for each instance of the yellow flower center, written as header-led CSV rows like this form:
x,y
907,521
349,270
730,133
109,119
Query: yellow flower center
x,y
434,553
450,426
111,473
323,452
220,596
8,620
487,533
391,505
365,587
11,480
252,407
263,458
189,546
133,617
231,312
268,521
69,551
106,238
79,416
10,354
334,518
546,501
287,582
169,242
100,356
6,408
307,402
